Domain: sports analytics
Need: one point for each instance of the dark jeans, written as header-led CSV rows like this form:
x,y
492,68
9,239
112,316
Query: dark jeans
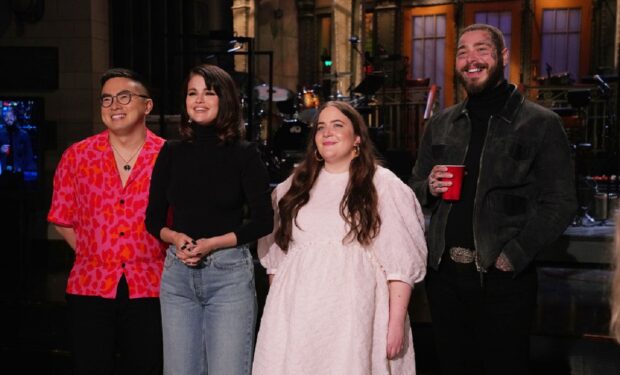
x,y
481,330
101,328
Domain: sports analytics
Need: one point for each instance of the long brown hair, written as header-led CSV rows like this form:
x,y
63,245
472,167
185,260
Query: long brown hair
x,y
359,205
228,120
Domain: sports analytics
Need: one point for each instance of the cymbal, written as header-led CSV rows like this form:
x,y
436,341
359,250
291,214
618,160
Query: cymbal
x,y
607,78
278,94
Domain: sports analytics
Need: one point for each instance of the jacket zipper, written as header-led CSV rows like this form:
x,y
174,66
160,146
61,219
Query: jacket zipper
x,y
478,260
463,163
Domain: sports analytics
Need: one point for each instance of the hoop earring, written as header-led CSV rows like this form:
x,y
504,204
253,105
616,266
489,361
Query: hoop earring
x,y
317,156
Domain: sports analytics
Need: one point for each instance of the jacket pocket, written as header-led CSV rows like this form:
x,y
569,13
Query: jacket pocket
x,y
509,204
511,159
519,151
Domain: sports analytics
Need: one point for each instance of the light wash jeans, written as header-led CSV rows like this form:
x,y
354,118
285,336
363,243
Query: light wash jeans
x,y
209,314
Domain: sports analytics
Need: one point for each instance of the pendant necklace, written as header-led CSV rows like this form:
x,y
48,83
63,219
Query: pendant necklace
x,y
127,167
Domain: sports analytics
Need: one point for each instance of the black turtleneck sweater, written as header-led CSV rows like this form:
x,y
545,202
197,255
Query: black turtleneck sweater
x,y
480,107
201,187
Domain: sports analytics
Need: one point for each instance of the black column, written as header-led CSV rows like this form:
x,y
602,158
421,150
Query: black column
x,y
308,55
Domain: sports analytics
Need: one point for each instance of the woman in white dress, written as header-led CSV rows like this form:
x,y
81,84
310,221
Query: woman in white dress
x,y
347,247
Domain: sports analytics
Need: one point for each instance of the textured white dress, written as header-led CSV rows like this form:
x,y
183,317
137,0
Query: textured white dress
x,y
327,309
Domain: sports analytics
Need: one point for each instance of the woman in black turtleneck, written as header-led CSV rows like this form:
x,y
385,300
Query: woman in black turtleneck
x,y
199,188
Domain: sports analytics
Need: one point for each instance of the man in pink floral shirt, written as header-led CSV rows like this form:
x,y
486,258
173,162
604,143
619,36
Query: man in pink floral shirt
x,y
100,196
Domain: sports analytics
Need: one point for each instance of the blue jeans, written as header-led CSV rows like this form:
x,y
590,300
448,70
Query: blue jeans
x,y
209,314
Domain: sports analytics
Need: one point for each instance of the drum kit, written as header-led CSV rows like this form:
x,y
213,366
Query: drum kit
x,y
283,135
294,111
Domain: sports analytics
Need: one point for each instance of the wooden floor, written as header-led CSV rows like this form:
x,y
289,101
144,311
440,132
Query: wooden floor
x,y
568,338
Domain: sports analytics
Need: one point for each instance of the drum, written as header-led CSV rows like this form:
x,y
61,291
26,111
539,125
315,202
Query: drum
x,y
310,99
291,137
307,115
278,94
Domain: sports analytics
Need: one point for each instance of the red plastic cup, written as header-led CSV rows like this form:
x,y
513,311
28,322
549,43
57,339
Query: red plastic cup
x,y
454,191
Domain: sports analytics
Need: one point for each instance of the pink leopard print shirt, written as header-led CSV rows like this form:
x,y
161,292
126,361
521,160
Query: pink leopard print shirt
x,y
108,219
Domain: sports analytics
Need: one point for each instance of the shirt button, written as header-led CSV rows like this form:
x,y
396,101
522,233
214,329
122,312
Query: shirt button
x,y
123,265
122,201
122,234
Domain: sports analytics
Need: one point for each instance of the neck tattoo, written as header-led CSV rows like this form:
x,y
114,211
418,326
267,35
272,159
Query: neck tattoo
x,y
127,165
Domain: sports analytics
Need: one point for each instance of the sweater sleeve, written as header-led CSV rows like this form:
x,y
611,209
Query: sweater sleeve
x,y
255,184
157,209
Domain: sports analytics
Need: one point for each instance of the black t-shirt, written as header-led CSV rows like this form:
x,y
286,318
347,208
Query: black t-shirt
x,y
201,188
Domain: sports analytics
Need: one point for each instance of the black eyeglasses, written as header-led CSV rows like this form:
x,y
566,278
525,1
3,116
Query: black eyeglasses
x,y
122,98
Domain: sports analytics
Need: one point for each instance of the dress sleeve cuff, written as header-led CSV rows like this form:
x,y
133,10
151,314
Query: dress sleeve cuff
x,y
400,277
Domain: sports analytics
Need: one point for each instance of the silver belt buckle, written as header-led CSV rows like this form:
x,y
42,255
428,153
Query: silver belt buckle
x,y
462,255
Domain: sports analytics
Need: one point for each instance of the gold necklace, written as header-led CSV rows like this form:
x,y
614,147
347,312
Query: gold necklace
x,y
127,167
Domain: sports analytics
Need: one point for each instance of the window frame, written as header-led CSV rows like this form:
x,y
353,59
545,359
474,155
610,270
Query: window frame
x,y
450,43
585,38
515,47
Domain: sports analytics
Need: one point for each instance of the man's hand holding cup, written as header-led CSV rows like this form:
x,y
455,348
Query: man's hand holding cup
x,y
446,180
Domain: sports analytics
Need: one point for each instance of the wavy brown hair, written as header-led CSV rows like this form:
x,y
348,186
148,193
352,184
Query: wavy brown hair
x,y
359,205
228,121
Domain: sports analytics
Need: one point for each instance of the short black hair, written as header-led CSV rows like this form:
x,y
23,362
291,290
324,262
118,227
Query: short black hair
x,y
125,73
